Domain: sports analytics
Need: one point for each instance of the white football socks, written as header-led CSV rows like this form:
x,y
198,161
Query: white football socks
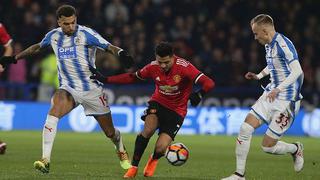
x,y
117,141
48,135
243,146
281,148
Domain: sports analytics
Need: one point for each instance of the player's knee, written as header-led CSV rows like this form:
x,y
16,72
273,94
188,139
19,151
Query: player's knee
x,y
55,111
246,128
269,150
147,132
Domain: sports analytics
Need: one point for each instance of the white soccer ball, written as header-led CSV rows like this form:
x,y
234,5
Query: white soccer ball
x,y
177,154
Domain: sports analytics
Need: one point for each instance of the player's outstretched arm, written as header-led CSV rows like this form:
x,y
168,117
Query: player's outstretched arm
x,y
6,60
126,78
254,76
207,84
30,51
125,58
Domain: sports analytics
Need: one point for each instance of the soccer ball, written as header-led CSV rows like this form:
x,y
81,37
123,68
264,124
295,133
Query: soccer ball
x,y
177,154
3,147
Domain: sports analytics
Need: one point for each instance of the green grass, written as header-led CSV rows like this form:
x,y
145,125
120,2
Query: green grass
x,y
91,156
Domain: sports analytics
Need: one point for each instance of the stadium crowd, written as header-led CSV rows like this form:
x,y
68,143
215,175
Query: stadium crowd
x,y
214,35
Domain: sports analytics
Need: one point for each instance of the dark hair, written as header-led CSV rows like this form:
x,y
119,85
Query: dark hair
x,y
164,49
65,10
262,19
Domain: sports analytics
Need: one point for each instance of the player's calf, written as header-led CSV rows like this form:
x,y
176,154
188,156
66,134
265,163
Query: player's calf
x,y
280,148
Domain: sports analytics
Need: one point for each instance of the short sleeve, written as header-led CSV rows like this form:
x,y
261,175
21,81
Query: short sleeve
x,y
192,72
4,36
287,50
95,39
145,72
46,41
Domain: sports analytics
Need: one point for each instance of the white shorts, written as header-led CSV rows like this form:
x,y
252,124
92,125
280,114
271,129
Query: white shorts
x,y
94,102
279,114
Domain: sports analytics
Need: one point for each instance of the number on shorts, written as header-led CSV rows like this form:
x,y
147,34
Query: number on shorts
x,y
283,120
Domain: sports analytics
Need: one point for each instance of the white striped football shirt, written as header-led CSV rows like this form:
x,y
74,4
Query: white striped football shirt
x,y
75,54
279,54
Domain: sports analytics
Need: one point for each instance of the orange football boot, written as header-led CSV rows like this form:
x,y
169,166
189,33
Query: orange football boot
x,y
131,173
150,167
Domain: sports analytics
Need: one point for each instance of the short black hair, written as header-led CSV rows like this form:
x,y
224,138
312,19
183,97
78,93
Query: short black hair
x,y
164,49
65,10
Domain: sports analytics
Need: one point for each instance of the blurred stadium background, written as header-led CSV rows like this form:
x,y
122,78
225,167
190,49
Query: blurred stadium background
x,y
214,35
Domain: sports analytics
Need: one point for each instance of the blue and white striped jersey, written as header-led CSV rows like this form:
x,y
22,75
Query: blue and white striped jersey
x,y
75,54
279,54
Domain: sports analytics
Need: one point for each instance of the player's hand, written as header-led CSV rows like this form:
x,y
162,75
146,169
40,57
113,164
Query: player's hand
x,y
6,60
125,59
196,97
273,94
251,76
96,75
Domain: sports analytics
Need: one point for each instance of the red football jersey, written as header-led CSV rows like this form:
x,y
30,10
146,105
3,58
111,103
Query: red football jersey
x,y
174,87
4,36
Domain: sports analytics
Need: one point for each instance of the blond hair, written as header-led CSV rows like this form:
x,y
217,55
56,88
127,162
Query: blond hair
x,y
262,19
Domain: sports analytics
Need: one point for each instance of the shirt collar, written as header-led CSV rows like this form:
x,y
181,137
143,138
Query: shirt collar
x,y
273,40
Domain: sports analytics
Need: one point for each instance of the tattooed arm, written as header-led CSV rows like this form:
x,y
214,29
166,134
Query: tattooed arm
x,y
30,51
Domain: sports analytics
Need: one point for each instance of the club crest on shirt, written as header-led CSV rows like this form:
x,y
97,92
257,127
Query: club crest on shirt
x,y
77,41
177,78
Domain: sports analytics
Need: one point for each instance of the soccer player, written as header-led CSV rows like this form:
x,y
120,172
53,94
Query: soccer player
x,y
279,103
5,41
174,78
75,48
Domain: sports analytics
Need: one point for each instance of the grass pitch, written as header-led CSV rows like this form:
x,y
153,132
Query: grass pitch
x,y
92,156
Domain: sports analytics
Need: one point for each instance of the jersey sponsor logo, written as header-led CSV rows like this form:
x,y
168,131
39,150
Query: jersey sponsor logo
x,y
67,52
177,78
169,90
